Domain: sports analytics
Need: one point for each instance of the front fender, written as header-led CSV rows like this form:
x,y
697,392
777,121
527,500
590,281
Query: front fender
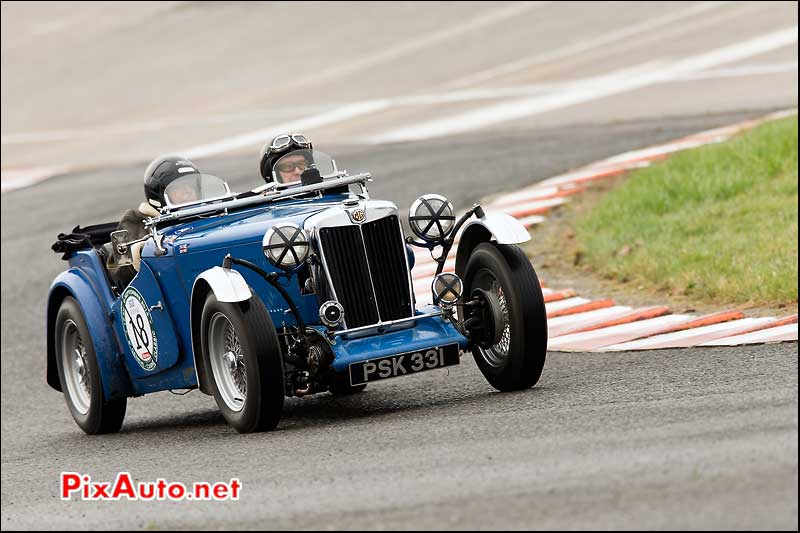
x,y
113,376
227,285
493,226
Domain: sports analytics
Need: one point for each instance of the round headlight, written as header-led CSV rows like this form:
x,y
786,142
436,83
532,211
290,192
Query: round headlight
x,y
431,217
446,288
286,245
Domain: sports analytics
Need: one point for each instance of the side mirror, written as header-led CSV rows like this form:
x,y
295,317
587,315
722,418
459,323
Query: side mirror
x,y
121,248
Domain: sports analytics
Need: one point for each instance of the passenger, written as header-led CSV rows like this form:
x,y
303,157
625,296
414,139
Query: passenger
x,y
167,180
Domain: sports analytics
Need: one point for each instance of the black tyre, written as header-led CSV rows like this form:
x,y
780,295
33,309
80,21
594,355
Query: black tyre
x,y
241,351
80,374
516,361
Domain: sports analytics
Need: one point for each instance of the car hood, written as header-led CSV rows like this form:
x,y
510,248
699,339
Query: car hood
x,y
241,227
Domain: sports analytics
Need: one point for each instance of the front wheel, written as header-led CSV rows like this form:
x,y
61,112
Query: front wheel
x,y
80,374
241,349
504,275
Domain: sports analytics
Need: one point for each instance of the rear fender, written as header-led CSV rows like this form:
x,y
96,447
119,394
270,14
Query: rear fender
x,y
74,282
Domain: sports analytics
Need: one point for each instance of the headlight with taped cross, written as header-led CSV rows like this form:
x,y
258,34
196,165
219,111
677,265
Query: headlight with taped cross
x,y
447,288
286,245
431,217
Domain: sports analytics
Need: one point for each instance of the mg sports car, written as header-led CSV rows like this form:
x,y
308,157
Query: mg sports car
x,y
286,292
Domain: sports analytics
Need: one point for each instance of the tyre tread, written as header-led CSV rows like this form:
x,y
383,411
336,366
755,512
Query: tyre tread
x,y
523,369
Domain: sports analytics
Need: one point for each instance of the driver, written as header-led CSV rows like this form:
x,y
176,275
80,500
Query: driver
x,y
284,159
291,166
162,181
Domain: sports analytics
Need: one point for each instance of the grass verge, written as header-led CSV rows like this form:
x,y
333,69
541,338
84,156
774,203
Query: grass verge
x,y
717,223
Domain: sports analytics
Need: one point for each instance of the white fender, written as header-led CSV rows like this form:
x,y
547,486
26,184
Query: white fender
x,y
228,285
500,227
504,228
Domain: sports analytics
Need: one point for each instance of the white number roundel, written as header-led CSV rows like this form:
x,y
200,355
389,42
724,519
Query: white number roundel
x,y
139,329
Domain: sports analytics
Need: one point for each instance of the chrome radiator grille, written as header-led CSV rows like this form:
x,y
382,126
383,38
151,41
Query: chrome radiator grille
x,y
367,267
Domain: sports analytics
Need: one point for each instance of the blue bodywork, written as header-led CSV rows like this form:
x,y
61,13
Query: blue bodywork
x,y
427,332
193,247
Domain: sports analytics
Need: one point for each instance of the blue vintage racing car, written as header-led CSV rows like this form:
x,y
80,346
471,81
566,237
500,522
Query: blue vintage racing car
x,y
287,291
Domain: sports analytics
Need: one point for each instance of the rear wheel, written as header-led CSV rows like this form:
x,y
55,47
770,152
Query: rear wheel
x,y
503,276
79,373
241,349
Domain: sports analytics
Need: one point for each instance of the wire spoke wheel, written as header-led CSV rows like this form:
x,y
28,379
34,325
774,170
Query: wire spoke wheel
x,y
241,363
497,354
516,318
80,374
76,371
227,362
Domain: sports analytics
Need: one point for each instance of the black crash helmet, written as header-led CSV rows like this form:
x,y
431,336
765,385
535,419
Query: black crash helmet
x,y
163,171
279,147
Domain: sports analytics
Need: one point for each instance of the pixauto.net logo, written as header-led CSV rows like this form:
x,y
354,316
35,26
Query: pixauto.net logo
x,y
81,486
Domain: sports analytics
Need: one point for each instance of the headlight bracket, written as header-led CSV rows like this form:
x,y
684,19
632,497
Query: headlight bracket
x,y
447,242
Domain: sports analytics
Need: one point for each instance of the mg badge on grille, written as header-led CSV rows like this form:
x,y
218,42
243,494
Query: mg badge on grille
x,y
358,215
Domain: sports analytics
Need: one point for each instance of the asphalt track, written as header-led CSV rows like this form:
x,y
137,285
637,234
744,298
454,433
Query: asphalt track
x,y
693,438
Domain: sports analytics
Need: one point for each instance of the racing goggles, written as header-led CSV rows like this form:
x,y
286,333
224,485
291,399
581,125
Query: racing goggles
x,y
283,142
291,166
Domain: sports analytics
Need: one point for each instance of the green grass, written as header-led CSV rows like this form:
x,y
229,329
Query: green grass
x,y
717,223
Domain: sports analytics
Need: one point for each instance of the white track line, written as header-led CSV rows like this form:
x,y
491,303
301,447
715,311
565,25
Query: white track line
x,y
25,137
780,114
584,46
523,209
576,93
494,93
576,176
634,159
614,83
738,72
575,341
428,269
422,283
404,47
690,337
421,257
52,136
358,109
526,194
563,324
786,332
653,151
531,220
560,305
11,179
302,124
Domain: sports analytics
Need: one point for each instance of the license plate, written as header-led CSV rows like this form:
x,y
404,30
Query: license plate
x,y
404,363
